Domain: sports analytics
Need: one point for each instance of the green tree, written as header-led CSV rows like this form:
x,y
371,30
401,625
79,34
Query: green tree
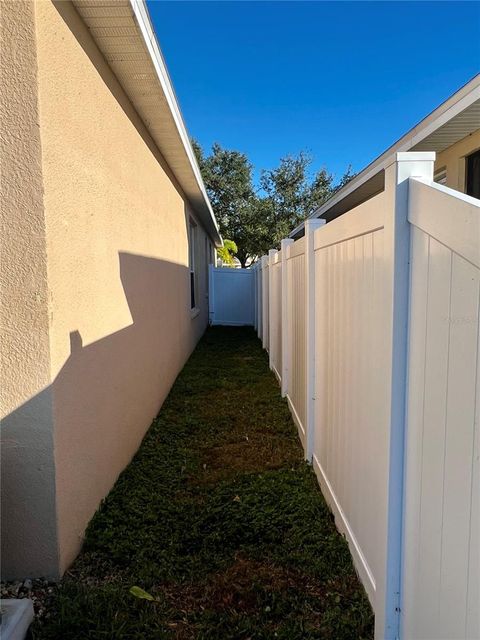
x,y
227,252
257,221
293,196
347,176
228,179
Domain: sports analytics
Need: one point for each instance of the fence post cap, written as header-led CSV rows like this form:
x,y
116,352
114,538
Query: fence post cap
x,y
414,156
313,223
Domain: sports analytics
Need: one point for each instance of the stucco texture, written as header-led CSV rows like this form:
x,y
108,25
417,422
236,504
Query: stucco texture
x,y
119,324
28,529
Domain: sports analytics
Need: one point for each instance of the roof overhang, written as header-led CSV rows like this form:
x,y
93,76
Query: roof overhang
x,y
453,120
124,34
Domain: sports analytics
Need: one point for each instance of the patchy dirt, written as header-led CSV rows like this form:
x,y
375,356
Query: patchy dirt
x,y
253,454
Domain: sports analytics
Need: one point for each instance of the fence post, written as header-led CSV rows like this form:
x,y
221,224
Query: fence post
x,y
397,251
271,304
211,294
286,350
265,322
311,226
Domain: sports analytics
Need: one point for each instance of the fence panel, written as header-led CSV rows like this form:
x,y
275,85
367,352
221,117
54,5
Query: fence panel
x,y
351,442
276,315
415,246
231,300
296,384
258,276
441,593
265,303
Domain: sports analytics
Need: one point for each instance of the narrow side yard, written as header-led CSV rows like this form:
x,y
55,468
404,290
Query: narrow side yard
x,y
219,519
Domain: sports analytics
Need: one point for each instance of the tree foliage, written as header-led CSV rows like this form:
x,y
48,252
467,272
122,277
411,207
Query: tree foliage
x,y
257,220
291,195
227,252
228,179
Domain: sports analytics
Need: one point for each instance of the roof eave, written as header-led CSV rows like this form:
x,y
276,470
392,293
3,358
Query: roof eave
x,y
142,16
140,69
467,96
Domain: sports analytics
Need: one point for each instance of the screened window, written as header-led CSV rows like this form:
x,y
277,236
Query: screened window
x,y
441,176
192,246
208,260
473,174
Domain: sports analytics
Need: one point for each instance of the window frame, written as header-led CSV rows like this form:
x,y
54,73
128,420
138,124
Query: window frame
x,y
192,266
468,160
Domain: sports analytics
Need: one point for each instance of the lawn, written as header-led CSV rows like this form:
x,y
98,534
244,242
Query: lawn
x,y
219,519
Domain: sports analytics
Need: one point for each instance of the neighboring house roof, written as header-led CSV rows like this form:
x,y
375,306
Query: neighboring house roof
x,y
123,32
453,120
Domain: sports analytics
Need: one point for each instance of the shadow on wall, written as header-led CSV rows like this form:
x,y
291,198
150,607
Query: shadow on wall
x,y
63,449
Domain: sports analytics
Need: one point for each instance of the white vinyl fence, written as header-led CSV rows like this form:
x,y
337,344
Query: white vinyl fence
x,y
372,327
275,312
442,493
295,320
232,298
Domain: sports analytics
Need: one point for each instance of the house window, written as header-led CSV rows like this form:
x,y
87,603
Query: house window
x,y
208,260
192,242
441,176
473,174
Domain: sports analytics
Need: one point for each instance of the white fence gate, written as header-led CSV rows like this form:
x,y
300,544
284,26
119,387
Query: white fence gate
x,y
232,298
372,326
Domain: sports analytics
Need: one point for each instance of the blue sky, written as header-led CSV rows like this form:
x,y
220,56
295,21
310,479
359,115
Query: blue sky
x,y
342,80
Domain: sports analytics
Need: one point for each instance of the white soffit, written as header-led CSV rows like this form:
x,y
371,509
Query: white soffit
x,y
460,126
122,31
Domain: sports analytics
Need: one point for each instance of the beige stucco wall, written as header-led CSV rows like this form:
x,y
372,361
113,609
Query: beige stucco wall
x,y
28,544
119,322
453,159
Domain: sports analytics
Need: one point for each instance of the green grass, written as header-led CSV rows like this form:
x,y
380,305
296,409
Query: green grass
x,y
217,517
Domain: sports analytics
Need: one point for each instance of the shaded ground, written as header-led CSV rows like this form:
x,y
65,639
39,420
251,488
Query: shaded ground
x,y
217,517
